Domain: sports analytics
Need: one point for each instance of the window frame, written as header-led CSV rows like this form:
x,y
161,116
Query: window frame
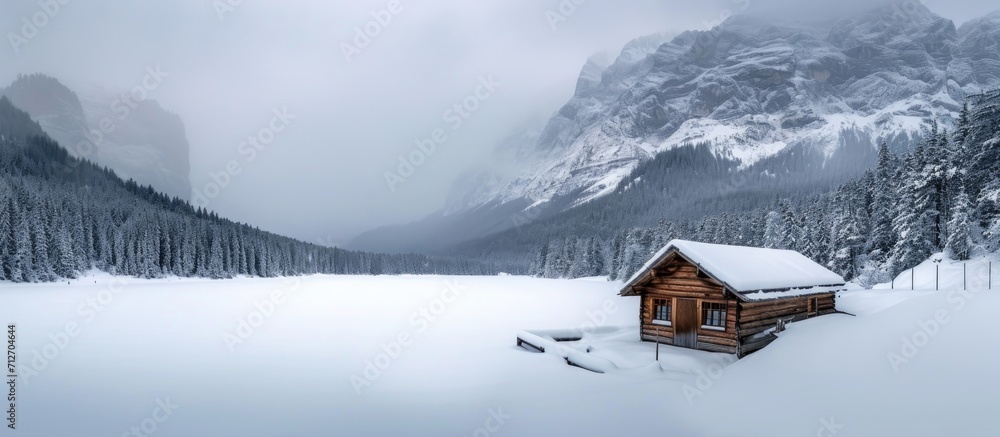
x,y
669,304
812,309
720,313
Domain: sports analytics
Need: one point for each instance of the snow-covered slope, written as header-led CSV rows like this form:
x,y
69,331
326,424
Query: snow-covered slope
x,y
145,143
753,88
942,273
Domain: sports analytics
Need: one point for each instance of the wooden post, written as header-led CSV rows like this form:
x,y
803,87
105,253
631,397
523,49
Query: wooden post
x,y
912,279
965,276
937,277
657,344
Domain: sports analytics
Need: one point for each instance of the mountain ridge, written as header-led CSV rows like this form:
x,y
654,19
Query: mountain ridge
x,y
751,90
139,140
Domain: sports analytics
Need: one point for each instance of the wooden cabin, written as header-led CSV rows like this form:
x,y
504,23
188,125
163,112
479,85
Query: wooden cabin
x,y
728,299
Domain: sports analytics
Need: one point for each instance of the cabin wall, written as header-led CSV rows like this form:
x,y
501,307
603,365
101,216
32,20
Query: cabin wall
x,y
748,325
714,340
681,280
757,318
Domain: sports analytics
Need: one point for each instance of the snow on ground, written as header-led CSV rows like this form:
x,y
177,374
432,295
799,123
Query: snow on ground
x,y
910,363
924,366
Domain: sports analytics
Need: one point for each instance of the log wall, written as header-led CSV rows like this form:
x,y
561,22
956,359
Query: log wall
x,y
755,318
679,279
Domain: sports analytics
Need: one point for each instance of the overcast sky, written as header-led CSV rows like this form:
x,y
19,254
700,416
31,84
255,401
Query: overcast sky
x,y
323,178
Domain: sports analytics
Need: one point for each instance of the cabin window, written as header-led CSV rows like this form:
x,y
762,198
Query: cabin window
x,y
661,311
713,315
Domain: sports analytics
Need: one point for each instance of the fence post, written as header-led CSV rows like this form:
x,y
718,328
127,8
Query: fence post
x,y
965,276
937,277
912,279
657,344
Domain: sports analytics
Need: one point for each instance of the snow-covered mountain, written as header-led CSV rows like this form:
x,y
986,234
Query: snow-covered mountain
x,y
520,156
798,102
752,88
139,141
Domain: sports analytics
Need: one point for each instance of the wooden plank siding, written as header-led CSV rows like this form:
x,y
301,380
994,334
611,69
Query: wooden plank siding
x,y
678,279
757,317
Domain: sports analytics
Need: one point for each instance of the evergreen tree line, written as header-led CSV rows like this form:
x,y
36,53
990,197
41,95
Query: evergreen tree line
x,y
943,196
61,216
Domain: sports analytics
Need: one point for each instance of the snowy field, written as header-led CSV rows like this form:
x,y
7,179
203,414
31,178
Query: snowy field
x,y
436,356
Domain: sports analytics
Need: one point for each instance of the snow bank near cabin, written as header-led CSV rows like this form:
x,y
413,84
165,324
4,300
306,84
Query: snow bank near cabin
x,y
898,371
941,272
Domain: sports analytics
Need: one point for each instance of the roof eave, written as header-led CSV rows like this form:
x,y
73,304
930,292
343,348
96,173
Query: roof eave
x,y
832,290
629,288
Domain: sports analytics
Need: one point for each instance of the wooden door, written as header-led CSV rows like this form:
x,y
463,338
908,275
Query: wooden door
x,y
686,324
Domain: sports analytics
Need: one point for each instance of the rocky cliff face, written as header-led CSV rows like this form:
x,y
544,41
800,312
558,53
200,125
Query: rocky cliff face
x,y
752,89
145,143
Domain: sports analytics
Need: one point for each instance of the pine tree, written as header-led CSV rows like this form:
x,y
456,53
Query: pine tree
x,y
556,265
791,235
754,232
568,258
21,267
40,245
82,240
165,254
376,267
724,233
815,233
941,175
960,241
595,255
6,237
538,269
66,267
774,231
913,244
843,260
883,237
617,256
848,234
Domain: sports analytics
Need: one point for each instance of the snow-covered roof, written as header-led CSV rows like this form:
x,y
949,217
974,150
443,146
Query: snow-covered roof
x,y
750,269
792,292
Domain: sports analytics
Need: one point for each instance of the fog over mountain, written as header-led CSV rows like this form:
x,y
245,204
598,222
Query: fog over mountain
x,y
136,138
330,122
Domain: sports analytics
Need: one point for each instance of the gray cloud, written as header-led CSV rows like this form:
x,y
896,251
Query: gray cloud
x,y
323,177
956,10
